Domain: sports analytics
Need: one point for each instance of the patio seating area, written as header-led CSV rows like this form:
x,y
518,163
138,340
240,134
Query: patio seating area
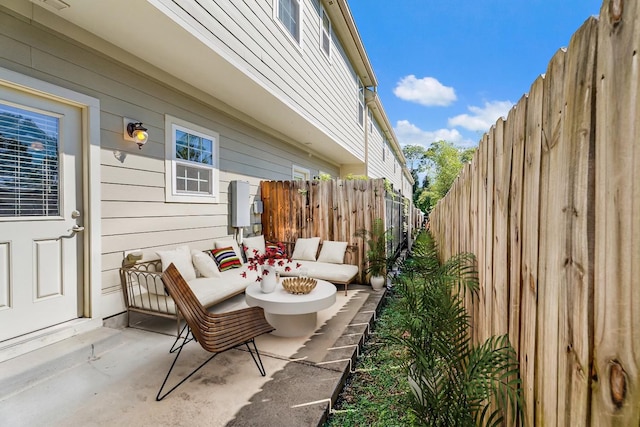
x,y
111,375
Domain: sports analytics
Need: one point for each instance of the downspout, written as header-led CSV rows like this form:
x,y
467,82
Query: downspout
x,y
370,95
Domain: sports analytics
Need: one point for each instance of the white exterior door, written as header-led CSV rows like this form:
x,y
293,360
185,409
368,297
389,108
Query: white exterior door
x,y
41,214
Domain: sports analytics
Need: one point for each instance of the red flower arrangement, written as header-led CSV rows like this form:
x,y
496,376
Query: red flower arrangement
x,y
275,255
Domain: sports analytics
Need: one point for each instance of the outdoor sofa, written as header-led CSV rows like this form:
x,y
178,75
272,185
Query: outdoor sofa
x,y
220,273
213,275
335,262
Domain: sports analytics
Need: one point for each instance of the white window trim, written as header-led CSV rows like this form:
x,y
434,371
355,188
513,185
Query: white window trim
x,y
171,195
323,13
298,172
276,7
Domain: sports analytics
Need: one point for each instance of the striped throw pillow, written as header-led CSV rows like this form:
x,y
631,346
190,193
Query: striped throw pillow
x,y
276,248
226,258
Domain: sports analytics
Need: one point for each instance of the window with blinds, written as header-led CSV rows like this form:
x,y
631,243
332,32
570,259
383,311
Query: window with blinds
x,y
325,34
29,166
290,16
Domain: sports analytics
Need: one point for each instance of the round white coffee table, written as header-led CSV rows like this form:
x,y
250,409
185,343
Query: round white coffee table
x,y
292,315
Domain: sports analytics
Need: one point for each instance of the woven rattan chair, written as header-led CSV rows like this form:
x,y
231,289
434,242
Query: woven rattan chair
x,y
216,332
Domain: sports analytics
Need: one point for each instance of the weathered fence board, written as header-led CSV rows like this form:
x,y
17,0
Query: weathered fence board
x,y
516,135
575,304
550,205
616,384
530,244
514,132
488,243
553,214
502,179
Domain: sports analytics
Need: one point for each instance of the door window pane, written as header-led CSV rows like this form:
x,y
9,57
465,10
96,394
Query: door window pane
x,y
29,165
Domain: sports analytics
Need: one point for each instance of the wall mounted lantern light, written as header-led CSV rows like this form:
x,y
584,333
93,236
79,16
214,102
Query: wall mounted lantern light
x,y
134,131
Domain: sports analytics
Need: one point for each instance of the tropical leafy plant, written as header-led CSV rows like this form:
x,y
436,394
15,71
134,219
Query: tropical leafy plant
x,y
455,383
376,261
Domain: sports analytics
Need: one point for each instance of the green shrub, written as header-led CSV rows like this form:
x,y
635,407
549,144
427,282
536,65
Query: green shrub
x,y
454,382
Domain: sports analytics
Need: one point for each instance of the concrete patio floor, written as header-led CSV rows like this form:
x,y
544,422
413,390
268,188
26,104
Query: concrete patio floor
x,y
110,376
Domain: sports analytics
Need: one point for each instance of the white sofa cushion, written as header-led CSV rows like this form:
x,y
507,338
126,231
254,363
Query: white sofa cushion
x,y
338,273
208,290
181,258
155,302
256,243
306,248
332,252
204,264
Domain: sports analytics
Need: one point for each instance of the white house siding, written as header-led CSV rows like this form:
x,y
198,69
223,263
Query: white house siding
x,y
134,214
389,168
324,90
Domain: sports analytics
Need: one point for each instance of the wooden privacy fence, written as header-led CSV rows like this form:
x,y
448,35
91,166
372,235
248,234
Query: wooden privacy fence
x,y
331,210
550,205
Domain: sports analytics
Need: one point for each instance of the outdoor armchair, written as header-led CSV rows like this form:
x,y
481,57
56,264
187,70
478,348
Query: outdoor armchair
x,y
216,332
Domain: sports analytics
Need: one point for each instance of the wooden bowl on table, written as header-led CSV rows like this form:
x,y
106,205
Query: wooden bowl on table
x,y
299,285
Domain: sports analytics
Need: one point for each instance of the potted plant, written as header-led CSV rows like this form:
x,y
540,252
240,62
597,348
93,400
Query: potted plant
x,y
376,262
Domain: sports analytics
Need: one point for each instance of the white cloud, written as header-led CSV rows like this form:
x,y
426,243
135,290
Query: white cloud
x,y
482,118
409,134
425,91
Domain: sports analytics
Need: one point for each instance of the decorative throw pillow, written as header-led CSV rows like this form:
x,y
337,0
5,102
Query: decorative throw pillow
x,y
181,258
226,258
229,242
253,244
204,263
306,249
332,252
276,248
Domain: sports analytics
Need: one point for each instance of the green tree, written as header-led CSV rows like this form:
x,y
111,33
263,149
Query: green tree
x,y
444,163
440,164
416,156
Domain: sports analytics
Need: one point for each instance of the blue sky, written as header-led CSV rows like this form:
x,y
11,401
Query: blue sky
x,y
449,69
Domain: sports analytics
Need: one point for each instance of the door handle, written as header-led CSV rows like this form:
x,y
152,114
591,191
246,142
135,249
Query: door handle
x,y
74,230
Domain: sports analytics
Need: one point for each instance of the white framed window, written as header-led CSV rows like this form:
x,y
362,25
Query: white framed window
x,y
325,33
289,14
298,172
191,162
360,102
